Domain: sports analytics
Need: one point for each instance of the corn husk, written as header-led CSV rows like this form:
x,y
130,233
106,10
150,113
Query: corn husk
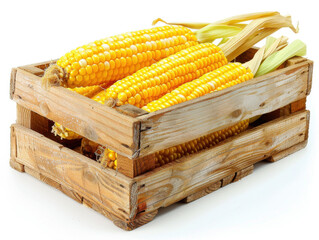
x,y
296,48
260,29
212,32
272,45
227,21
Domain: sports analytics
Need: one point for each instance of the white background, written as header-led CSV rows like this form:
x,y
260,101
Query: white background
x,y
278,200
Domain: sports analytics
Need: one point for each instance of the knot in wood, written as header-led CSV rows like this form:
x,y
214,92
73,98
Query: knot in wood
x,y
89,176
236,113
44,108
90,133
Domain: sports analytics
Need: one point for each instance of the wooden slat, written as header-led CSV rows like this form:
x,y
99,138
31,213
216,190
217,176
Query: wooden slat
x,y
96,122
287,152
173,182
207,190
135,167
298,105
215,111
32,120
44,158
217,185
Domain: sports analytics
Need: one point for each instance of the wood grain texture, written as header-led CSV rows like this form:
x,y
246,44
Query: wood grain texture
x,y
217,185
215,111
207,190
104,187
17,166
298,105
91,119
173,182
135,167
32,120
12,82
243,173
287,152
127,224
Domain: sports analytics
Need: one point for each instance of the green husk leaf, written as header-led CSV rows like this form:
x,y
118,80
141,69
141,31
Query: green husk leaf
x,y
224,40
296,48
212,32
272,45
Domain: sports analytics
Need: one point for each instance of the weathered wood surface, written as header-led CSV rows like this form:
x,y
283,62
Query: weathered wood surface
x,y
135,167
215,111
131,203
173,182
44,158
91,119
221,183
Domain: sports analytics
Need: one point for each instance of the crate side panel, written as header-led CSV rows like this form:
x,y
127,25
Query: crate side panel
x,y
93,120
218,110
173,182
104,187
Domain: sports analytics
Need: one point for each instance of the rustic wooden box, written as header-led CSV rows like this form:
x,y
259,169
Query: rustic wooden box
x,y
133,200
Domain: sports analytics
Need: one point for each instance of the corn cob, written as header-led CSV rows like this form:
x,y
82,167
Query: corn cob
x,y
151,82
223,77
164,76
90,91
113,58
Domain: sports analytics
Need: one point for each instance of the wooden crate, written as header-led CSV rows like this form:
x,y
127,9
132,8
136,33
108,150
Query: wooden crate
x,y
136,135
132,195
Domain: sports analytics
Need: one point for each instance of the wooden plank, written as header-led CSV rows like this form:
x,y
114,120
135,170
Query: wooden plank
x,y
135,167
32,120
12,82
17,166
173,182
91,119
211,188
298,105
33,69
310,73
104,187
243,173
287,152
131,110
217,185
215,111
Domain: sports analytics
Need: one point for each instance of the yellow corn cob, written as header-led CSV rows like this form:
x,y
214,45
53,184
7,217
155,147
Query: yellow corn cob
x,y
223,77
113,58
156,80
173,153
64,133
109,158
90,91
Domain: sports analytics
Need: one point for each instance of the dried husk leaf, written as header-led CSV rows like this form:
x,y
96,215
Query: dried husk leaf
x,y
212,32
189,25
228,21
230,48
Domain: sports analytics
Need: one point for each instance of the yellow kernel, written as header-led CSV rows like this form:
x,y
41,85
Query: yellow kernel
x,y
76,66
131,100
82,71
122,96
89,69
